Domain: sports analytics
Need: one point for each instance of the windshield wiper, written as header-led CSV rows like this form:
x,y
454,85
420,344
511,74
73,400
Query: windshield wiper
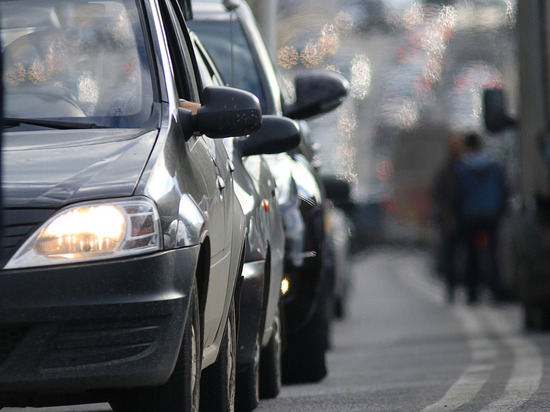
x,y
55,124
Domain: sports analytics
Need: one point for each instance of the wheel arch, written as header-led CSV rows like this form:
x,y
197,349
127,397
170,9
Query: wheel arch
x,y
266,288
239,284
202,278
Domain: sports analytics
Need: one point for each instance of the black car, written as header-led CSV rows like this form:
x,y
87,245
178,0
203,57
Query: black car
x,y
124,243
231,36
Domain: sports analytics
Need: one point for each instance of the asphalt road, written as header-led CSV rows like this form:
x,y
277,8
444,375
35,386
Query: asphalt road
x,y
403,348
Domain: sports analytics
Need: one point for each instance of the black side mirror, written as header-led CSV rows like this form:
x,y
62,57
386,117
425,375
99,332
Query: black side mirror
x,y
317,92
277,135
494,111
225,112
336,190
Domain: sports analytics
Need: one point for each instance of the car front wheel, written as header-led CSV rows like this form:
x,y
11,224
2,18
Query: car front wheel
x,y
218,382
248,381
181,393
270,362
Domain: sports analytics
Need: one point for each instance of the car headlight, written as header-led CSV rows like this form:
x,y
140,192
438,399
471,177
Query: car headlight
x,y
92,230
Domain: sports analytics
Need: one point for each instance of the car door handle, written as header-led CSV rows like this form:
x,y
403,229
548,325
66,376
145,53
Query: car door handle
x,y
220,182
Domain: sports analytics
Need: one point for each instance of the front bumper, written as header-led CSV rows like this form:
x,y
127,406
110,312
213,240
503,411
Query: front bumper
x,y
90,326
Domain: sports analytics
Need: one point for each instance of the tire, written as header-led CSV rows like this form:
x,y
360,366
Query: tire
x,y
182,391
304,357
248,384
270,362
218,382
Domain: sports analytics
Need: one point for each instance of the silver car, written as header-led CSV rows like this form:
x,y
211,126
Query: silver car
x,y
124,239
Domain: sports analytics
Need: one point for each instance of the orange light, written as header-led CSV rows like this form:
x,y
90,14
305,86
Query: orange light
x,y
285,286
265,205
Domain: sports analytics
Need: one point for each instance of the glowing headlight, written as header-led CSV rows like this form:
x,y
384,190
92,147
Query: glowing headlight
x,y
86,230
92,231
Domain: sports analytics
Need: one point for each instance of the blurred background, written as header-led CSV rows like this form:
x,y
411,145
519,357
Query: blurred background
x,y
416,71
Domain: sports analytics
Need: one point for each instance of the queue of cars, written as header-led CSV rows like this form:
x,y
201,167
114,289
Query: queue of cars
x,y
259,326
164,236
230,34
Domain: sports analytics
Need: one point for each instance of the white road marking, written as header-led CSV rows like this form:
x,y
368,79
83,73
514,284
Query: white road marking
x,y
526,374
485,328
484,355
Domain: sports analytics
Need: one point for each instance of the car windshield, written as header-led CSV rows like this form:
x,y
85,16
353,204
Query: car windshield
x,y
74,62
217,37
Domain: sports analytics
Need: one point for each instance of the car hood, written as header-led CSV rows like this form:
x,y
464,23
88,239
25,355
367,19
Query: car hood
x,y
55,167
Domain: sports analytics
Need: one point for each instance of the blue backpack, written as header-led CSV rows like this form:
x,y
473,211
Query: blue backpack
x,y
483,192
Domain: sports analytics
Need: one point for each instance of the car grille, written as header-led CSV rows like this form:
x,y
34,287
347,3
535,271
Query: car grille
x,y
9,338
18,223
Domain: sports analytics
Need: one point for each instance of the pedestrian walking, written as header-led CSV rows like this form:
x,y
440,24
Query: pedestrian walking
x,y
483,196
446,196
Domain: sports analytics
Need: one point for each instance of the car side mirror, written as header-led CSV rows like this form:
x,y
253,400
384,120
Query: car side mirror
x,y
224,112
317,92
277,135
494,111
339,191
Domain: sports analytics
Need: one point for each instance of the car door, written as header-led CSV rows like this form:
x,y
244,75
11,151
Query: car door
x,y
215,195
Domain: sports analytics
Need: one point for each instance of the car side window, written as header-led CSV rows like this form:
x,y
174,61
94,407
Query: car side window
x,y
209,76
182,62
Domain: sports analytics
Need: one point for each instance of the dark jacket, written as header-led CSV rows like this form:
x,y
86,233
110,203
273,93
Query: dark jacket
x,y
446,195
483,186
